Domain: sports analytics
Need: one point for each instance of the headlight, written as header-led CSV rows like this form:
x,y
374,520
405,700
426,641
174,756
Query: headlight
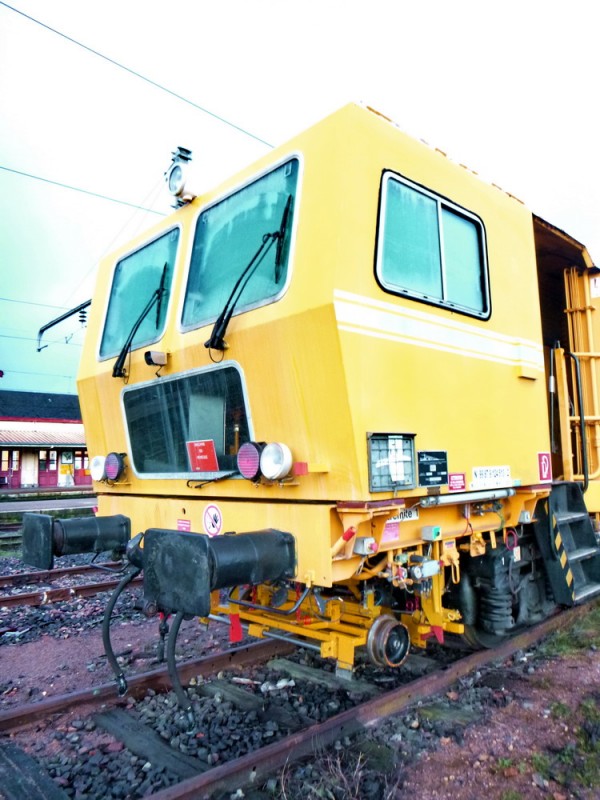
x,y
176,179
276,461
97,468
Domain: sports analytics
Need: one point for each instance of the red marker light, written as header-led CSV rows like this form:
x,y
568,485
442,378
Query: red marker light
x,y
248,460
114,466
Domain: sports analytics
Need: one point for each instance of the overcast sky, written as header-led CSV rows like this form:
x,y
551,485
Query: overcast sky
x,y
509,89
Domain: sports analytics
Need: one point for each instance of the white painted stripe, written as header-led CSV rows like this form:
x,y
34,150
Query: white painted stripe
x,y
378,319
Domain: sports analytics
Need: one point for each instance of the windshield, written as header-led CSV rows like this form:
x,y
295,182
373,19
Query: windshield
x,y
189,424
137,278
227,236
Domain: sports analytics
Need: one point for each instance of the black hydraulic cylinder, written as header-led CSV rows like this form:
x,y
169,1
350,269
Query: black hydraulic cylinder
x,y
182,569
45,537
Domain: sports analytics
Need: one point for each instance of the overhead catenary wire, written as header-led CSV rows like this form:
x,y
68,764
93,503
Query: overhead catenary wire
x,y
148,200
33,339
31,303
32,175
78,189
9,371
137,74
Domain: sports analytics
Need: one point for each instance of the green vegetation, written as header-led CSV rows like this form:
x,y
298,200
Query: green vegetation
x,y
343,777
577,764
560,710
585,633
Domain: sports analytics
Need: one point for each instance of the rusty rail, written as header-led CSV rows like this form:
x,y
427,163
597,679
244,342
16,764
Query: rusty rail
x,y
21,578
254,768
157,679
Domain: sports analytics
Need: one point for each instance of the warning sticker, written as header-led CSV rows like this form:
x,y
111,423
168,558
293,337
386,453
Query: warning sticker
x,y
213,520
391,529
545,467
457,482
203,456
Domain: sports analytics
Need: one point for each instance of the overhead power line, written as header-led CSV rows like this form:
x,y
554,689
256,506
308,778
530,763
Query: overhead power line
x,y
9,372
78,189
33,339
30,303
138,75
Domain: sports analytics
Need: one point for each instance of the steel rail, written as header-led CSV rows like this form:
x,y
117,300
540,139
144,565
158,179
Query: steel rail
x,y
254,768
20,578
47,596
156,679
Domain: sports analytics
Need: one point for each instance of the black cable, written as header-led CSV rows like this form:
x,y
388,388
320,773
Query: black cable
x,y
30,303
110,655
182,697
77,189
137,74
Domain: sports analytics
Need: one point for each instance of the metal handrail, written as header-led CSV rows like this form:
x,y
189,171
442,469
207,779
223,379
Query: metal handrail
x,y
584,455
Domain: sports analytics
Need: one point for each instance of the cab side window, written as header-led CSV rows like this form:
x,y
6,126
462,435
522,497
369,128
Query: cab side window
x,y
430,249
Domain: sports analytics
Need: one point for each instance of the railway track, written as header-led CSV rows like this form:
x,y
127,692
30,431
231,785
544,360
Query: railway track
x,y
23,578
190,763
11,536
52,594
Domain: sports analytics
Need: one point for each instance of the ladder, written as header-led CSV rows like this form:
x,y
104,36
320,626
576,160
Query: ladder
x,y
569,545
578,381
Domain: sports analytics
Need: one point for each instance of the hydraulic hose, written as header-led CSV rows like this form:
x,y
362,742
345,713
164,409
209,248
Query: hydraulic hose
x,y
163,630
110,655
182,697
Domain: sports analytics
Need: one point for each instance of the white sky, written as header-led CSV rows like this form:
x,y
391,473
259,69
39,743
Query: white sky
x,y
510,89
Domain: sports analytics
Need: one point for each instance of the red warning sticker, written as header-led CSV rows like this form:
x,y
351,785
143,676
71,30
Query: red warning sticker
x,y
545,467
457,482
203,456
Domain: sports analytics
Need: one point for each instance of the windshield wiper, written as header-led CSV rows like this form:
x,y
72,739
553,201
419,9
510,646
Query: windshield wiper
x,y
281,238
119,366
216,341
212,480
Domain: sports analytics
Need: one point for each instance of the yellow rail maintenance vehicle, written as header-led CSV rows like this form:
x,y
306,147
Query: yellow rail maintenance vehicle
x,y
348,398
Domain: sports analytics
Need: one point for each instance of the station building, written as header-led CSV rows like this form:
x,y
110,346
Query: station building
x,y
42,442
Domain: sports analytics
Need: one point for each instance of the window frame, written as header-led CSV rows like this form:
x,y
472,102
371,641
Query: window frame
x,y
240,307
191,475
132,251
442,203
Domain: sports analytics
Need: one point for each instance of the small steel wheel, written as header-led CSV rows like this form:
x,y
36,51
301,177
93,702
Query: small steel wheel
x,y
388,642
